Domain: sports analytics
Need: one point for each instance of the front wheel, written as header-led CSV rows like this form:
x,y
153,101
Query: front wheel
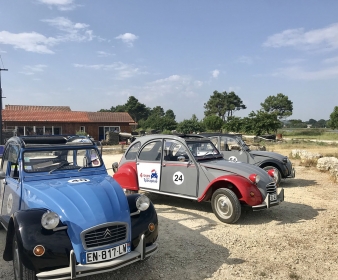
x,y
21,272
226,206
278,176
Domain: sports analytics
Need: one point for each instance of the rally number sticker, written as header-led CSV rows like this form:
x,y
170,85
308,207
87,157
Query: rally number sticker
x,y
233,158
178,178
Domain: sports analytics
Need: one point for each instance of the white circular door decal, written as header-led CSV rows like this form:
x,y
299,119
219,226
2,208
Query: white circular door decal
x,y
233,158
178,178
9,203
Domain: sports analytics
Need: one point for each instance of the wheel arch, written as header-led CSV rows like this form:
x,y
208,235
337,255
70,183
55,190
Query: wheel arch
x,y
8,251
275,164
126,176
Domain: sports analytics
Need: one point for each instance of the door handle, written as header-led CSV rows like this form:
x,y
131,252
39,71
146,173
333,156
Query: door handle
x,y
163,164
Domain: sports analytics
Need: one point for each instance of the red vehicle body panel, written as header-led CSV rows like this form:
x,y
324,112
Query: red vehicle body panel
x,y
242,188
127,176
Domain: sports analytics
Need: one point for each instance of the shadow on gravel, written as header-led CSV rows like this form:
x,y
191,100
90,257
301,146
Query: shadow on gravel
x,y
296,183
285,213
184,252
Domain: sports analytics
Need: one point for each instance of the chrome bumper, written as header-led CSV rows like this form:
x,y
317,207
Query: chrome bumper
x,y
80,270
267,203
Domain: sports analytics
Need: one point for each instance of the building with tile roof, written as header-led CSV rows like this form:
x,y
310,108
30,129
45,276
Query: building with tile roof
x,y
40,120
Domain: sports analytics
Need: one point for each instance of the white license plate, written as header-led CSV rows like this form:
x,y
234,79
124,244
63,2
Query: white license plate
x,y
273,197
108,254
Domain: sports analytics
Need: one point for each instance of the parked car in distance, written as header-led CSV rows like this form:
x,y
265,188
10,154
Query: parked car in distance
x,y
193,168
234,148
65,216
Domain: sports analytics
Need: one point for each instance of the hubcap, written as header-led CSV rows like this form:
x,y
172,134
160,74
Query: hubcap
x,y
224,206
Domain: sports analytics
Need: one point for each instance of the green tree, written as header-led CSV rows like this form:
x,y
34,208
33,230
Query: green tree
x,y
223,104
333,122
189,126
262,122
296,124
170,114
279,104
136,110
157,111
213,123
234,124
321,123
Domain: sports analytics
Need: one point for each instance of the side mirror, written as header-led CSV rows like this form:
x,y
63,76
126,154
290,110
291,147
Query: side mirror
x,y
115,167
2,175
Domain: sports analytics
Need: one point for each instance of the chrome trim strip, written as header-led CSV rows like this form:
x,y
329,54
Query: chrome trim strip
x,y
170,194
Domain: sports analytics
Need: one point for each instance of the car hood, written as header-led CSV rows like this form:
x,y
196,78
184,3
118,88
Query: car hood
x,y
239,168
267,154
81,202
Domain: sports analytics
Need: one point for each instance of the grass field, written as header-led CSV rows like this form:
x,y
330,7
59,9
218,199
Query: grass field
x,y
285,147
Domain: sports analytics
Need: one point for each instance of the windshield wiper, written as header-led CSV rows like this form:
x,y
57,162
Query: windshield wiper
x,y
61,165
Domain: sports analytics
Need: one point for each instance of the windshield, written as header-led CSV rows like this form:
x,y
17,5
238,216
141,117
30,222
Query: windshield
x,y
242,143
202,149
60,159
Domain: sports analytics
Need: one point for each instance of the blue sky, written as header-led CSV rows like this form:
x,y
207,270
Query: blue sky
x,y
91,55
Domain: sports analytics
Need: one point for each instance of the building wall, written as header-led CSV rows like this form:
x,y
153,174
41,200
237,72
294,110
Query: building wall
x,y
33,128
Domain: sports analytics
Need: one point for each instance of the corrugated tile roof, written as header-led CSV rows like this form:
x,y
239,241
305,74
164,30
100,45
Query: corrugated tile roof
x,y
37,108
20,113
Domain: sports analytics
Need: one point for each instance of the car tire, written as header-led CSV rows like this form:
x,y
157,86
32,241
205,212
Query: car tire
x,y
279,176
21,272
226,206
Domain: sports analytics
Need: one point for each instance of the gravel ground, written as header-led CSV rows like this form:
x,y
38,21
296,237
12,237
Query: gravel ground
x,y
296,240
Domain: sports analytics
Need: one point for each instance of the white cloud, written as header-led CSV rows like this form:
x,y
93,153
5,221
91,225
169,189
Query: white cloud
x,y
38,43
122,70
245,60
324,38
73,31
103,54
62,5
31,42
127,38
298,73
31,70
215,73
331,60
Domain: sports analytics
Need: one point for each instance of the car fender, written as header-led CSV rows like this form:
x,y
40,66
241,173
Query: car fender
x,y
275,163
140,221
26,224
126,176
242,187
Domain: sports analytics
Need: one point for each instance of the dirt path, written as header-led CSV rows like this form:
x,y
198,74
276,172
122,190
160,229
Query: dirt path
x,y
296,240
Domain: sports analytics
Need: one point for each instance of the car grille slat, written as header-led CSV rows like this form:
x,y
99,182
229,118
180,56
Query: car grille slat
x,y
271,188
105,236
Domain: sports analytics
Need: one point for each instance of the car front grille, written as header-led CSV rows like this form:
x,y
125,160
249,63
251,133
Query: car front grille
x,y
271,188
104,235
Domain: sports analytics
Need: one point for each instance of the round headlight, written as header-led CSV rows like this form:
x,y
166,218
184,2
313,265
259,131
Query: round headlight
x,y
254,178
50,220
142,203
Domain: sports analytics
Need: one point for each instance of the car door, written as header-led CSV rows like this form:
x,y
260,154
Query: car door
x,y
11,185
232,150
179,173
149,165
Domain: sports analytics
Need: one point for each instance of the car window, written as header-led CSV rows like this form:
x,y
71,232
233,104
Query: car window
x,y
229,143
4,163
133,150
173,150
151,151
46,161
214,140
13,161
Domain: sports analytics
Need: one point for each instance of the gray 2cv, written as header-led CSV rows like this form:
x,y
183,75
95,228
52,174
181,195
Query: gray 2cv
x,y
234,148
193,168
